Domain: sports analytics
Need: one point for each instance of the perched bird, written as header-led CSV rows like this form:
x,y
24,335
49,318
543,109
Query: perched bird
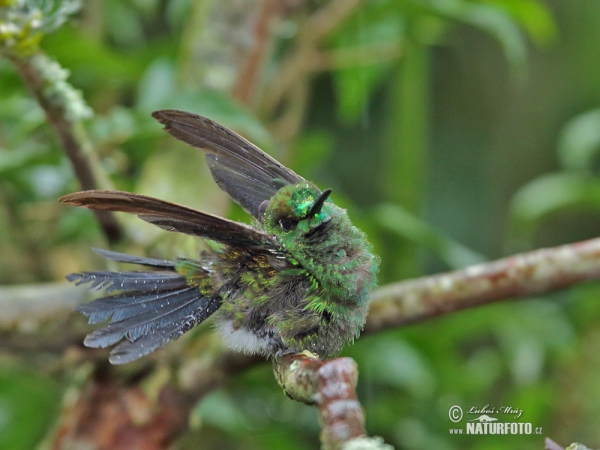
x,y
298,279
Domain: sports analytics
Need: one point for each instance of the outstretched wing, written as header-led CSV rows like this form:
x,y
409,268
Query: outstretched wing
x,y
173,217
241,169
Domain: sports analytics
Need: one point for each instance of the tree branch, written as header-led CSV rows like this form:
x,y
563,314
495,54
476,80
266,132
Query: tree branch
x,y
522,275
309,379
397,304
64,109
330,386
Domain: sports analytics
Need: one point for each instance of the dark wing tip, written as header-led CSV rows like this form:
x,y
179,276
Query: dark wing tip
x,y
161,113
186,126
164,115
168,116
239,167
76,198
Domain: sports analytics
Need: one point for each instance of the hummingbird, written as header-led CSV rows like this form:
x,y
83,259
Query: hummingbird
x,y
297,279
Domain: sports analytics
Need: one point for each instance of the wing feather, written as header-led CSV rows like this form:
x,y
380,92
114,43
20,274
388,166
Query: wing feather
x,y
241,169
174,217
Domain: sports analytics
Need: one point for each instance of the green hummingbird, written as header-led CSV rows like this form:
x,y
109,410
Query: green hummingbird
x,y
297,279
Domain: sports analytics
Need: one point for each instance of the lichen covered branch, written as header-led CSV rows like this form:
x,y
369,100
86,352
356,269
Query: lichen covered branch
x,y
64,110
23,25
522,275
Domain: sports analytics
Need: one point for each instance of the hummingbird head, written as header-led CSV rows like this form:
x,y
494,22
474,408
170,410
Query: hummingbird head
x,y
298,213
318,235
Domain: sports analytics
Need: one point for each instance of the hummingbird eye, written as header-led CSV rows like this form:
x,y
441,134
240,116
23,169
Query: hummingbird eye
x,y
287,225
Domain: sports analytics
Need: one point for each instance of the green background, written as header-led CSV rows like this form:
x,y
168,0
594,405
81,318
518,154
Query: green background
x,y
475,140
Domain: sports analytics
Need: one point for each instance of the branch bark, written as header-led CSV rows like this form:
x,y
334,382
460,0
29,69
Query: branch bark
x,y
405,302
331,387
104,414
522,275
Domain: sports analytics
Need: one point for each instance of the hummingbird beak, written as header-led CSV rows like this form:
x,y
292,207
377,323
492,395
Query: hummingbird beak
x,y
318,204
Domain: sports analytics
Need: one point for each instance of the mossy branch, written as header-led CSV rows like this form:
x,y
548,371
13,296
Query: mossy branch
x,y
64,110
22,26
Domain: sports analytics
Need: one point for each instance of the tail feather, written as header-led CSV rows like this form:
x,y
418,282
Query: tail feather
x,y
125,305
175,306
128,351
128,281
151,308
125,258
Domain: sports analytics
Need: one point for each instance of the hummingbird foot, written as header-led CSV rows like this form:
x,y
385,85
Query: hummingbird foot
x,y
309,354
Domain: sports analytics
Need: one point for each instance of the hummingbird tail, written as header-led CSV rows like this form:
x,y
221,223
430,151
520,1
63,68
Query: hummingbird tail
x,y
150,309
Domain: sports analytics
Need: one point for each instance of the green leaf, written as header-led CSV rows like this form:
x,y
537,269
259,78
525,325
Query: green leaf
x,y
115,127
13,161
550,194
178,12
538,327
219,409
126,26
157,85
579,141
397,363
28,406
311,151
95,67
399,221
534,16
488,18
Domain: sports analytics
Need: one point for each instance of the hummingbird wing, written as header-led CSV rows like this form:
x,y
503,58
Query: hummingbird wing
x,y
173,217
150,309
240,168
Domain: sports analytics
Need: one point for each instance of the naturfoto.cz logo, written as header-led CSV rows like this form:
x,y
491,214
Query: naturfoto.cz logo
x,y
486,423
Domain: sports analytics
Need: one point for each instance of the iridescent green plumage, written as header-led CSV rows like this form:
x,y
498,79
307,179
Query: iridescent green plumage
x,y
299,279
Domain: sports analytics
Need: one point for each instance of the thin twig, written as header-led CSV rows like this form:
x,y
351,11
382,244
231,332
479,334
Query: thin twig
x,y
298,66
248,75
26,307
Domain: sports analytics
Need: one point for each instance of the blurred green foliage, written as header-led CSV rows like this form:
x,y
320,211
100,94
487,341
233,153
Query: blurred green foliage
x,y
29,402
452,131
